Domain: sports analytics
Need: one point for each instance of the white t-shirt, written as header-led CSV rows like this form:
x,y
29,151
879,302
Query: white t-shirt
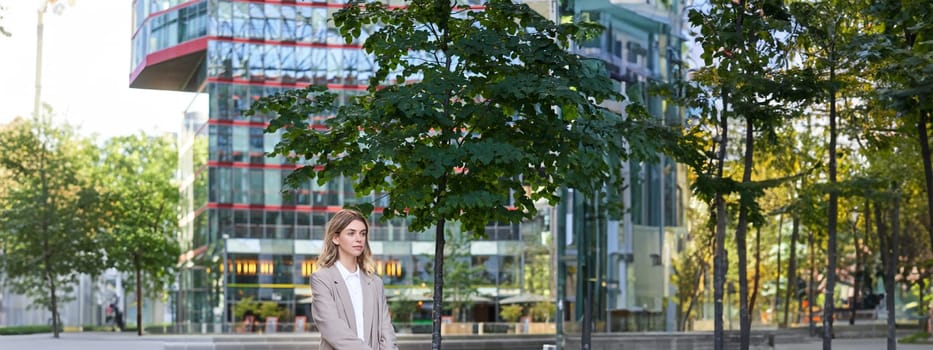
x,y
356,295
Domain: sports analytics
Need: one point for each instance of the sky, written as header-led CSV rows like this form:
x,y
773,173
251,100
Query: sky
x,y
86,69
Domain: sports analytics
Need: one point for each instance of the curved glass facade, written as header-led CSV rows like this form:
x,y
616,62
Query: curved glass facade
x,y
164,24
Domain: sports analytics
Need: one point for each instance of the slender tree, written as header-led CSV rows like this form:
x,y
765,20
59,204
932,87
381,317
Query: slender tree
x,y
889,254
744,55
50,211
753,295
143,212
711,184
692,266
828,35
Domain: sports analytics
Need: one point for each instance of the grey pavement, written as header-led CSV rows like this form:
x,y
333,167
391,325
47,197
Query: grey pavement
x,y
852,344
120,341
81,341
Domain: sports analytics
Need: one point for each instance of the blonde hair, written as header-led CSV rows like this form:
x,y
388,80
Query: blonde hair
x,y
340,221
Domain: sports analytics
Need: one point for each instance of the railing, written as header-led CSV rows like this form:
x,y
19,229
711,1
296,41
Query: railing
x,y
469,328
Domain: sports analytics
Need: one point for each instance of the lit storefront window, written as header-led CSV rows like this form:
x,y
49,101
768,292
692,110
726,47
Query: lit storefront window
x,y
308,267
246,267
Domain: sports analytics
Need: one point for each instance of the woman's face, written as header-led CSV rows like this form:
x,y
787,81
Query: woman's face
x,y
351,240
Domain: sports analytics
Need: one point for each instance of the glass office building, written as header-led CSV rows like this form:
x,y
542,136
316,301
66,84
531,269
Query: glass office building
x,y
232,53
626,260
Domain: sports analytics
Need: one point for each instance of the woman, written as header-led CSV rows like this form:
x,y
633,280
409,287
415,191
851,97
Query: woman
x,y
349,304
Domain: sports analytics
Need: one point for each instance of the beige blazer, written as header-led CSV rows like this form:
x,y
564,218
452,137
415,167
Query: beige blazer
x,y
332,312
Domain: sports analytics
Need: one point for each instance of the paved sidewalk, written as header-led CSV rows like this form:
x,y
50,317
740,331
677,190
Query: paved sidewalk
x,y
81,341
852,344
121,341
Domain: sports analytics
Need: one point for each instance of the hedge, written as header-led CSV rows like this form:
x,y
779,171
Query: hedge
x,y
15,330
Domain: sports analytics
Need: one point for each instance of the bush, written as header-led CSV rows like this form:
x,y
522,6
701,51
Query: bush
x,y
96,328
16,330
542,312
158,328
920,337
511,313
112,328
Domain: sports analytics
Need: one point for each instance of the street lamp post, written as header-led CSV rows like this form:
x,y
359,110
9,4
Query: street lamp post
x,y
40,28
225,270
57,8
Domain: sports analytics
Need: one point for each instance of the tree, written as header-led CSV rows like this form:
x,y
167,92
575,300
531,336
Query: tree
x,y
143,212
744,56
689,269
828,40
900,47
471,116
889,253
463,278
403,309
245,305
50,216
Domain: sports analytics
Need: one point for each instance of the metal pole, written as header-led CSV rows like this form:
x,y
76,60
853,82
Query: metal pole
x,y
226,311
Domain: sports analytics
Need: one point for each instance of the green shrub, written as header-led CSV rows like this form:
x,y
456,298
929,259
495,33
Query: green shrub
x,y
15,330
163,328
112,328
511,313
543,312
96,328
920,337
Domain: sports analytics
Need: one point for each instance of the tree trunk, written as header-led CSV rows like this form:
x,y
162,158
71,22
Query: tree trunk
x,y
868,226
720,259
754,292
829,294
858,265
139,295
438,284
697,279
686,316
742,226
441,8
54,302
887,261
811,287
895,254
741,233
927,169
777,294
46,206
792,268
